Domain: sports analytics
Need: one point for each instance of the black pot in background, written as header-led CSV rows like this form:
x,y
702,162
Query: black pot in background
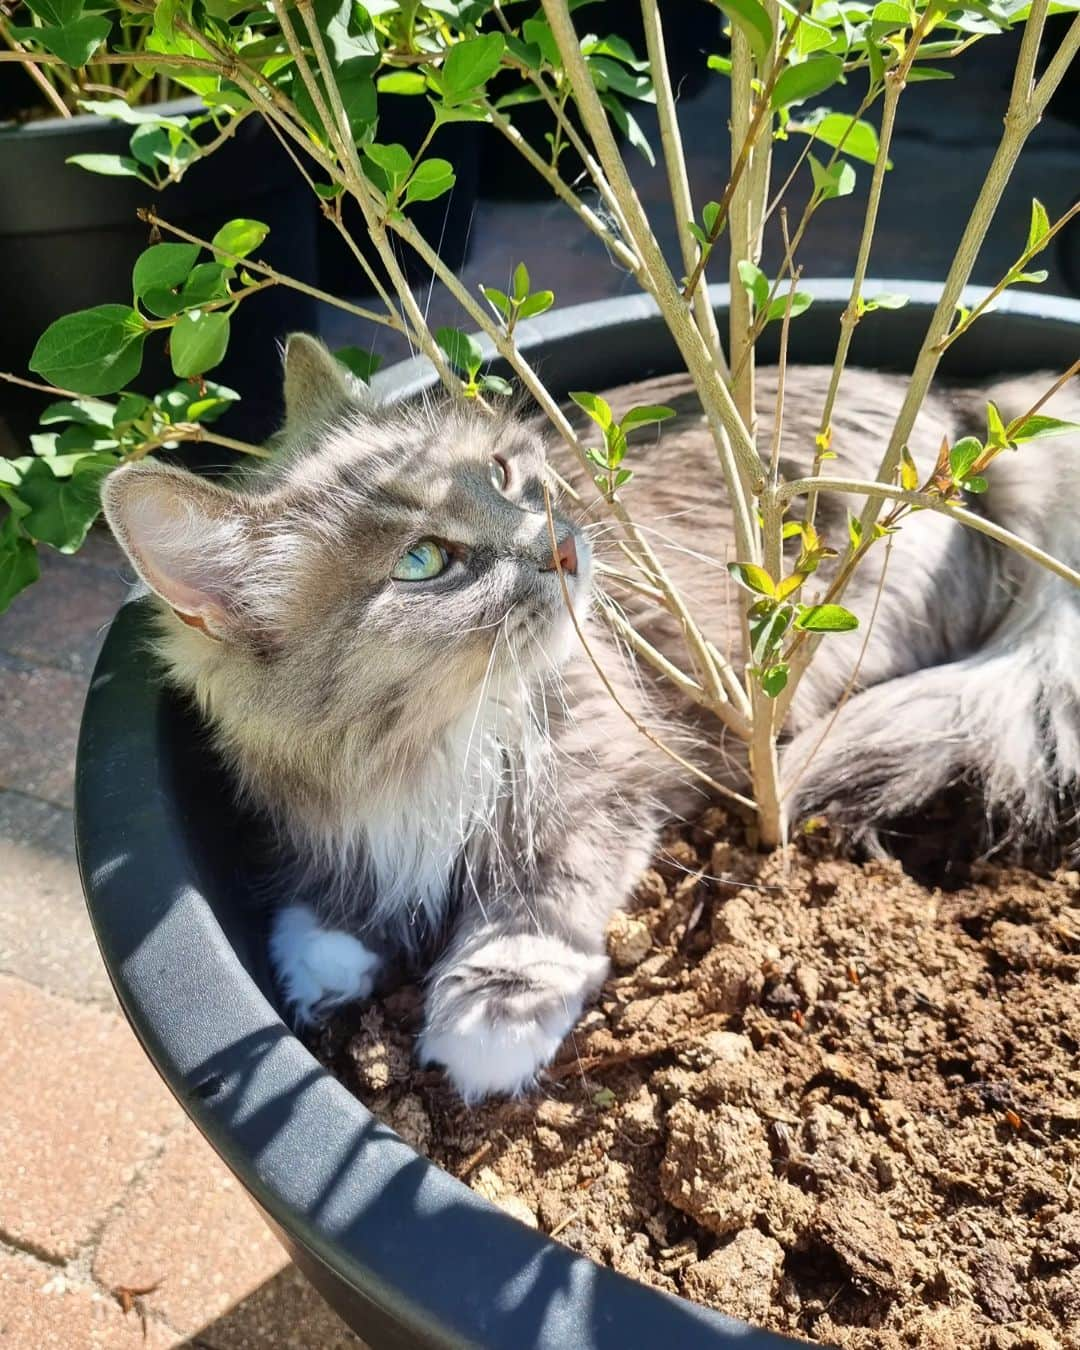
x,y
407,1255
69,239
445,223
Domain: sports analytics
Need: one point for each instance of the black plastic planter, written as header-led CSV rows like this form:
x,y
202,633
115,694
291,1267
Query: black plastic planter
x,y
406,1254
69,239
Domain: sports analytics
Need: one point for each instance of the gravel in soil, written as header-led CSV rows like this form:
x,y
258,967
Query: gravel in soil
x,y
813,1094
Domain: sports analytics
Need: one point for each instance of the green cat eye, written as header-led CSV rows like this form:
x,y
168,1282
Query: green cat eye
x,y
422,562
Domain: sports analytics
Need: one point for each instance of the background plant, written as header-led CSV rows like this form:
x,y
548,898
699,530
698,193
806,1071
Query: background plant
x,y
315,71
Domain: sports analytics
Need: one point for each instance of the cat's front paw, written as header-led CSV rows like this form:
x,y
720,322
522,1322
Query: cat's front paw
x,y
318,968
497,1014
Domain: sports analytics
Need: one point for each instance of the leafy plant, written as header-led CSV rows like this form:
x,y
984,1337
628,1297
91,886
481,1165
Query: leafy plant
x,y
316,71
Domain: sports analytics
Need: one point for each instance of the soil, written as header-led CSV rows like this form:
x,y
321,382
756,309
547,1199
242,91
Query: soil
x,y
813,1094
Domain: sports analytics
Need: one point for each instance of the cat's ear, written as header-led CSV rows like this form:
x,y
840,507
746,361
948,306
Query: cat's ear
x,y
188,539
316,383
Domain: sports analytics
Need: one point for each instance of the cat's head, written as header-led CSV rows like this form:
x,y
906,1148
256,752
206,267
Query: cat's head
x,y
380,568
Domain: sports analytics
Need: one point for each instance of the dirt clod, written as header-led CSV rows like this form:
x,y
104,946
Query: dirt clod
x,y
815,1095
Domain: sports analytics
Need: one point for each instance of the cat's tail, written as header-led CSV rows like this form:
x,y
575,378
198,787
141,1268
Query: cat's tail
x,y
1001,725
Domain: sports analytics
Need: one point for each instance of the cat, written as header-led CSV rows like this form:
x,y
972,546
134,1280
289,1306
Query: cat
x,y
373,623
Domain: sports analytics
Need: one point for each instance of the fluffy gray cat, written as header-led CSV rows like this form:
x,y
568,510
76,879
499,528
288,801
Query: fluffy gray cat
x,y
373,626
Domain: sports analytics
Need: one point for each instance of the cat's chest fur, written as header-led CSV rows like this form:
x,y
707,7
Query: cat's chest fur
x,y
416,834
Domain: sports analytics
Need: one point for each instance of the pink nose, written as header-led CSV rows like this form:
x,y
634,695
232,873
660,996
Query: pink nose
x,y
567,556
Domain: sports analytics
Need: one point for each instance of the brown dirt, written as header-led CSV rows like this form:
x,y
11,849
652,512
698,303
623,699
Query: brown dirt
x,y
815,1095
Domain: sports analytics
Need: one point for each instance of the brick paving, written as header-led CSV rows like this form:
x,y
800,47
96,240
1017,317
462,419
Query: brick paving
x,y
104,1185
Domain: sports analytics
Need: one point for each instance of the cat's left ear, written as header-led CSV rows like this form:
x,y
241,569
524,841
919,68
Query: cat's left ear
x,y
190,541
317,385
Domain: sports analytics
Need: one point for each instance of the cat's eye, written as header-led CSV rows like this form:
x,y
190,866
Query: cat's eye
x,y
422,562
499,473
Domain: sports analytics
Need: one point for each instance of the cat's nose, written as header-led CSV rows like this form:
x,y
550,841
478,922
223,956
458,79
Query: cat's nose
x,y
566,554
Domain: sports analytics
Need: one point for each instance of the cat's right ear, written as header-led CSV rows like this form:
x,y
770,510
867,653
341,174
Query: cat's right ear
x,y
317,385
188,539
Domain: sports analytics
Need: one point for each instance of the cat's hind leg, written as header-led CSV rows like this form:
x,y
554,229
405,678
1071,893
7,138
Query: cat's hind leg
x,y
317,968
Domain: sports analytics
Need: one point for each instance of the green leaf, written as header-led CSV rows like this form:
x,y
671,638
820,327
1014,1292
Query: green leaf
x,y
887,300
430,180
403,82
191,402
646,415
876,64
1039,427
753,578
1039,227
753,22
74,43
207,282
710,213
963,455
768,623
120,110
240,237
1033,278
363,364
629,126
825,619
497,299
851,135
755,282
995,426
520,282
394,163
463,350
839,181
18,562
798,83
93,351
917,73
909,474
470,64
112,166
598,408
800,303
162,267
977,484
89,412
774,681
62,509
495,384
198,342
537,303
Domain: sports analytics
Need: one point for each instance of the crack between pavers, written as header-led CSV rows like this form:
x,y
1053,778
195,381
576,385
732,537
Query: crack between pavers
x,y
17,1246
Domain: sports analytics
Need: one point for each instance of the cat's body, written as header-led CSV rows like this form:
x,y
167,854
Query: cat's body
x,y
452,780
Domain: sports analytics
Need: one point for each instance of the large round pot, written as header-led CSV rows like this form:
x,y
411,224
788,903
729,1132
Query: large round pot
x,y
69,239
406,1254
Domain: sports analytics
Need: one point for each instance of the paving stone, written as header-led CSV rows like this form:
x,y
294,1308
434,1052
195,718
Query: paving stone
x,y
283,1314
61,619
40,710
189,1224
45,933
83,1111
40,1309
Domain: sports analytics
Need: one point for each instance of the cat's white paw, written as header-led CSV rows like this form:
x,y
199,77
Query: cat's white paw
x,y
318,968
496,1016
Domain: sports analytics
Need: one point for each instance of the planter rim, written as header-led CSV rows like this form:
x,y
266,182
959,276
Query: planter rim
x,y
78,123
409,377
412,1255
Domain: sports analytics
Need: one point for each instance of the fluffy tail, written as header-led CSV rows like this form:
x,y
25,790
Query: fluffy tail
x,y
998,729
